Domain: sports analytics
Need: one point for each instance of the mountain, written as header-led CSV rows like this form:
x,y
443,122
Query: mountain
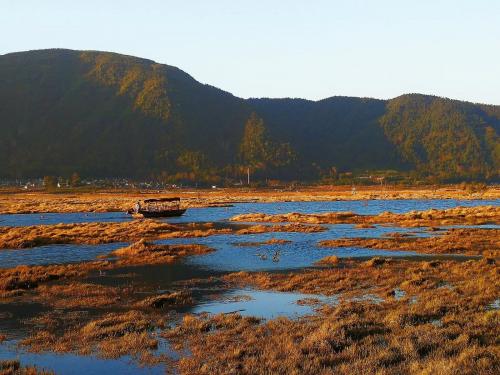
x,y
109,115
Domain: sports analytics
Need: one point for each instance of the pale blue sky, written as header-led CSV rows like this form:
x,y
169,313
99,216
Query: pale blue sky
x,y
269,48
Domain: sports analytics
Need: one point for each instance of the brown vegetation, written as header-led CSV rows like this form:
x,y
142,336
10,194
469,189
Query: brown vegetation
x,y
101,233
142,252
14,367
443,330
106,201
77,295
167,299
272,241
454,241
87,233
281,228
433,217
15,281
111,336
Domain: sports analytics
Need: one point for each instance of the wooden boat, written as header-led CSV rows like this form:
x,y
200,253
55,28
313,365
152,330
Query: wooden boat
x,y
159,207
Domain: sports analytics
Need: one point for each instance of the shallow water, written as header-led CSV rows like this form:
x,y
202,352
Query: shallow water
x,y
263,304
54,254
229,256
21,220
301,252
75,364
365,207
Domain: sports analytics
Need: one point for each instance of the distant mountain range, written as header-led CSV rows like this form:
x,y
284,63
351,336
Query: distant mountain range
x,y
103,114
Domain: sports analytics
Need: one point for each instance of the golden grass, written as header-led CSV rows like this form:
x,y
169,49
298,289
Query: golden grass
x,y
460,215
110,336
87,233
180,298
101,233
330,260
78,295
445,331
16,201
14,367
453,241
17,280
272,241
142,252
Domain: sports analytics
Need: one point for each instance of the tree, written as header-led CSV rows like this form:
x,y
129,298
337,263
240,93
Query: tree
x,y
49,182
255,146
75,180
259,151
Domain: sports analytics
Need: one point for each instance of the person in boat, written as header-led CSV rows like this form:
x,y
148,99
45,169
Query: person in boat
x,y
137,207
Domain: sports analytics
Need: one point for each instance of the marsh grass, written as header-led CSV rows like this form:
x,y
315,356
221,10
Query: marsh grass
x,y
15,201
459,215
469,241
14,367
391,337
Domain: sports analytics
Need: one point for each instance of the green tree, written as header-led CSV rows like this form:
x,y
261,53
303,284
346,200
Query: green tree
x,y
255,147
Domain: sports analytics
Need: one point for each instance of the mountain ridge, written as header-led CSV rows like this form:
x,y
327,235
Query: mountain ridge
x,y
120,115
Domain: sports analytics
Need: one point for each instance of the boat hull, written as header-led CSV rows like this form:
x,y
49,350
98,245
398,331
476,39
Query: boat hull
x,y
169,213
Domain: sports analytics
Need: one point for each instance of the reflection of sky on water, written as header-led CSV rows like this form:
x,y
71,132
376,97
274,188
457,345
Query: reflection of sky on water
x,y
262,304
76,365
364,207
54,254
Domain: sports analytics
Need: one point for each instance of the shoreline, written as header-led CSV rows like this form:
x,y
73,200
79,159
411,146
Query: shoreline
x,y
20,202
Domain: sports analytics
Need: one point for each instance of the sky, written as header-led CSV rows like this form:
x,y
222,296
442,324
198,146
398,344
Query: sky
x,y
310,49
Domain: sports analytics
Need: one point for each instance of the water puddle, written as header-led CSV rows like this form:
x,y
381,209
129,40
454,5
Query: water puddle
x,y
399,294
302,251
264,304
54,254
372,298
495,305
75,364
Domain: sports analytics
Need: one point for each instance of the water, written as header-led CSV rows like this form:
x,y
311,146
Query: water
x,y
75,364
55,254
229,256
295,255
301,252
362,207
21,220
212,214
263,304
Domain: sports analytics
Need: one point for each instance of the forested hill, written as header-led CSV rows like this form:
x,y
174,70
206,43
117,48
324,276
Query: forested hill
x,y
108,115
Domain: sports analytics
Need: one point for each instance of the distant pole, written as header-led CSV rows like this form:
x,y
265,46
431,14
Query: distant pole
x,y
248,175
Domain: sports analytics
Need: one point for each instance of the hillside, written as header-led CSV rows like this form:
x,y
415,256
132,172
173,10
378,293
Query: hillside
x,y
108,115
